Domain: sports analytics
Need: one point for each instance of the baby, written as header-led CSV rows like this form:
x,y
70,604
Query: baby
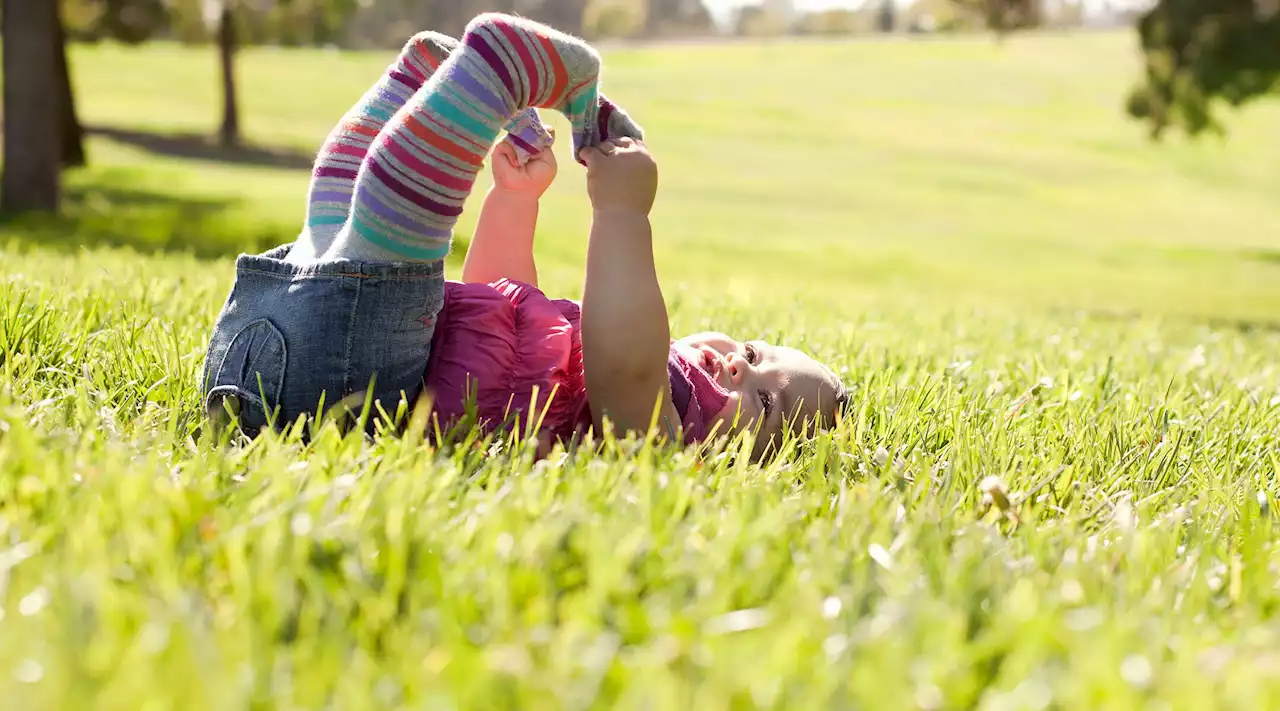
x,y
357,315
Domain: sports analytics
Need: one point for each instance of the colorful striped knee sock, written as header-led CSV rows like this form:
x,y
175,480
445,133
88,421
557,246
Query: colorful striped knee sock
x,y
334,176
421,168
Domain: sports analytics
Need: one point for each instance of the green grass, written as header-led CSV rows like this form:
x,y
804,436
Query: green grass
x,y
1013,281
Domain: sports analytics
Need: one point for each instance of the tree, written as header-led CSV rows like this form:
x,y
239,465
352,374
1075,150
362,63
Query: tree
x,y
1004,16
564,15
829,22
605,19
32,155
887,16
689,17
138,21
1203,52
129,21
229,133
132,21
761,20
70,130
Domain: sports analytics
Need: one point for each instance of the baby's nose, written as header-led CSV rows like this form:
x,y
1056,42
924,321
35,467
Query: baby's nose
x,y
735,367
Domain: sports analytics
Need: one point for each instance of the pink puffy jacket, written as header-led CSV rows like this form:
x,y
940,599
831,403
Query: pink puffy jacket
x,y
500,342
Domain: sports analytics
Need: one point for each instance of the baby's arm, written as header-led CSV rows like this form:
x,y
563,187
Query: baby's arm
x,y
625,335
503,243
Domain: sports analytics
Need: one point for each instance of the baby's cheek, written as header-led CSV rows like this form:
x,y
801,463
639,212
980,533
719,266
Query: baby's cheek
x,y
726,415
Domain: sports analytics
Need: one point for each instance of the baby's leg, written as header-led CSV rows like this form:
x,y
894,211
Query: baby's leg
x,y
422,166
338,162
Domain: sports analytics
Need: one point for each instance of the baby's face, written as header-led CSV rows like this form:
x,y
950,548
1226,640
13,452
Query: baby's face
x,y
773,385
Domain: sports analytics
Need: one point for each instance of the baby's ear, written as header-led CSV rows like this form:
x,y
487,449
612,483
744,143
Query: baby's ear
x,y
844,404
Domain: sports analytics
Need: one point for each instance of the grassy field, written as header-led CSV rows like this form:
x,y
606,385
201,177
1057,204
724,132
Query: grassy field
x,y
1013,281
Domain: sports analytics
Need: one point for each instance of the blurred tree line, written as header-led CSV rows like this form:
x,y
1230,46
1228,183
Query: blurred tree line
x,y
1201,53
1198,53
366,24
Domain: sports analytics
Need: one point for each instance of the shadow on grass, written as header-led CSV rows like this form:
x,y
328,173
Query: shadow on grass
x,y
197,146
1222,323
1263,254
112,208
121,207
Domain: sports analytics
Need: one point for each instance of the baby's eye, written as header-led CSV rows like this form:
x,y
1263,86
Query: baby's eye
x,y
752,355
766,403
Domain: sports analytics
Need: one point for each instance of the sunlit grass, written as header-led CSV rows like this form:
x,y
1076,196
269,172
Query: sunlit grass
x,y
1010,280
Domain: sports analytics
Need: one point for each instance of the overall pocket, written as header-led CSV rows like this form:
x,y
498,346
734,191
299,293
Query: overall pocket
x,y
244,386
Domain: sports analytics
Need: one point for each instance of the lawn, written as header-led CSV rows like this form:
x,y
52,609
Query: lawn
x,y
1013,281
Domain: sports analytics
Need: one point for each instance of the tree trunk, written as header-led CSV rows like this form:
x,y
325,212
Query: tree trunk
x,y
887,16
996,21
230,133
69,125
32,154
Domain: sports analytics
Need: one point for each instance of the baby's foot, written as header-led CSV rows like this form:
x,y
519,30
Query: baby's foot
x,y
613,122
527,134
549,69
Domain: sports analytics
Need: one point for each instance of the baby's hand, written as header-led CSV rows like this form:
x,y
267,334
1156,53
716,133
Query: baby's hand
x,y
621,175
529,180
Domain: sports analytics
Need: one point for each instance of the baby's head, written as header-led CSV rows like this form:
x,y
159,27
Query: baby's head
x,y
772,387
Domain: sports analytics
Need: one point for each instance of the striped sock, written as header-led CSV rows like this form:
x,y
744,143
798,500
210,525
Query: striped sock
x,y
333,178
412,184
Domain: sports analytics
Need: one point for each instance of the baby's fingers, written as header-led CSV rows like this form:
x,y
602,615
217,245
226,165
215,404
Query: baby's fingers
x,y
592,155
506,150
